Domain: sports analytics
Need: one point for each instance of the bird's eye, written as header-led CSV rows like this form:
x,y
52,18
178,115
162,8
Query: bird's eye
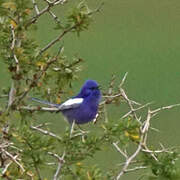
x,y
93,88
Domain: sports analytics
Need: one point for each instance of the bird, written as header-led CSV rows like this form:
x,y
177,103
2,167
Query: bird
x,y
83,107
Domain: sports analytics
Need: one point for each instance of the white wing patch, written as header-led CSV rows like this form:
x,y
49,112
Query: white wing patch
x,y
71,103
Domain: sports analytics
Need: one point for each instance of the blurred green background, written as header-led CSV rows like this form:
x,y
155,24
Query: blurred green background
x,y
135,36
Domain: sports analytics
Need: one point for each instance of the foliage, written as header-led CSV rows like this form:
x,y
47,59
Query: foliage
x,y
166,168
27,148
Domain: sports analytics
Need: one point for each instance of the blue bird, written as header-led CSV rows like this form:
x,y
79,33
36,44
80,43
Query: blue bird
x,y
81,108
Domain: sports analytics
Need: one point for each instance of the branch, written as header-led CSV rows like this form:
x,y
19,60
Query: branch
x,y
156,151
164,108
55,17
13,37
128,161
137,109
145,126
66,30
13,158
38,108
38,76
46,9
45,132
61,161
11,95
135,168
7,166
56,39
4,96
110,97
119,150
35,6
130,103
12,48
97,10
123,80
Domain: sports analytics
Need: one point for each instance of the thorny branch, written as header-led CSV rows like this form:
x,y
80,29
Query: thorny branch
x,y
13,158
61,161
48,10
7,166
45,132
145,125
43,11
144,129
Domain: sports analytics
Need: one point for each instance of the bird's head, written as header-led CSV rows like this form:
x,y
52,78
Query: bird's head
x,y
90,88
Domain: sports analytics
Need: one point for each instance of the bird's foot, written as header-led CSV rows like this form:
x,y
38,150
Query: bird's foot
x,y
78,132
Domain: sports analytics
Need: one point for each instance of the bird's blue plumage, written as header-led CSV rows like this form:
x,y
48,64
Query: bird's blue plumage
x,y
82,108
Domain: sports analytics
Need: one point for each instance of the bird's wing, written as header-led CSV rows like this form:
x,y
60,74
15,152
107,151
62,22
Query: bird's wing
x,y
45,102
71,103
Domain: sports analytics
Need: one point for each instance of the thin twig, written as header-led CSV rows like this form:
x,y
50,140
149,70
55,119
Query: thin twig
x,y
11,95
4,96
55,17
142,143
119,150
38,108
81,133
45,132
35,6
105,113
56,39
38,76
12,48
97,10
128,161
145,126
156,151
45,10
129,102
164,108
7,165
112,96
135,169
123,80
13,158
61,161
13,37
134,110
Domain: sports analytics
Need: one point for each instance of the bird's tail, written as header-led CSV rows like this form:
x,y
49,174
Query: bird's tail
x,y
45,102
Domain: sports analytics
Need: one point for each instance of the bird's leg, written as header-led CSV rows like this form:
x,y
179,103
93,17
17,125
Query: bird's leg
x,y
82,133
79,127
72,128
81,130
